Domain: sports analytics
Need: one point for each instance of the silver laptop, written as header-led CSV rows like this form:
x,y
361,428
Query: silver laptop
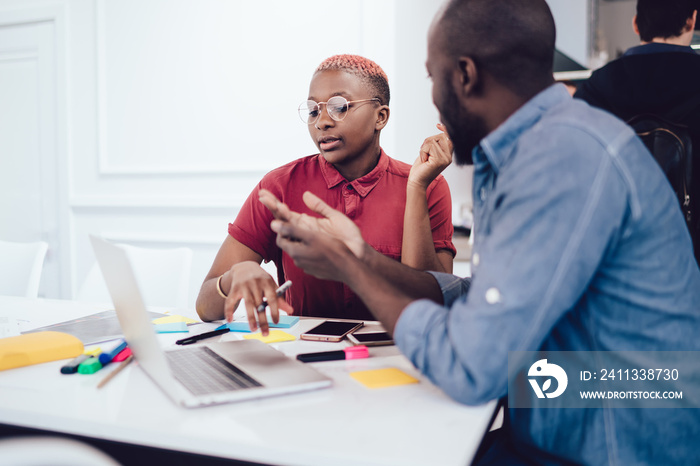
x,y
201,374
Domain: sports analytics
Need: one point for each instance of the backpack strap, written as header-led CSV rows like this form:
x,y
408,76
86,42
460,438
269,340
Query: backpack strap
x,y
657,119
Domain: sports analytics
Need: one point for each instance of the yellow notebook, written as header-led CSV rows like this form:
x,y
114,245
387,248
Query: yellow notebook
x,y
380,378
35,348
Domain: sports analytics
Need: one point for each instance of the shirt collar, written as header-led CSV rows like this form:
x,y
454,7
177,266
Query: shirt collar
x,y
362,185
658,47
495,148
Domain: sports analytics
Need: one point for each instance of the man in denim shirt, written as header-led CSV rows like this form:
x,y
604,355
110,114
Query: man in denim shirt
x,y
579,245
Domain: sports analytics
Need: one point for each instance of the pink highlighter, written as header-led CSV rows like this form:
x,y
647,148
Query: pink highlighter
x,y
351,352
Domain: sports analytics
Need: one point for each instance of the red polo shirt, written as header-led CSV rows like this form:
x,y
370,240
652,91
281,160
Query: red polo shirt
x,y
375,202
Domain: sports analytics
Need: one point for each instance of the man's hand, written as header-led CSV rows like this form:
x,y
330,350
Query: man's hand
x,y
329,248
332,222
319,246
435,156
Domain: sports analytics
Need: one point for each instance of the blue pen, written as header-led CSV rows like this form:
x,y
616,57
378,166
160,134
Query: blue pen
x,y
107,356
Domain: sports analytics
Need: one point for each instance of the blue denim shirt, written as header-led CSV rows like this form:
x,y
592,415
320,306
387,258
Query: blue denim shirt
x,y
579,245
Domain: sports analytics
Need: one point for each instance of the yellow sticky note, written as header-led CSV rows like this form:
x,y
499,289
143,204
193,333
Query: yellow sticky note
x,y
92,351
275,336
173,319
380,378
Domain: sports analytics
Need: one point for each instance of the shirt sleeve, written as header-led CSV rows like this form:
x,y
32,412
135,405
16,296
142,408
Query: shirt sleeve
x,y
440,211
537,252
252,225
452,286
588,92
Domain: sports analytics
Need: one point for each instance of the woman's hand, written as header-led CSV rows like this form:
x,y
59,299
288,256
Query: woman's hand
x,y
251,283
435,156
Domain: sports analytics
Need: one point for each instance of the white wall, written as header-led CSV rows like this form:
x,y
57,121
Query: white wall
x,y
615,25
33,128
149,122
413,111
572,19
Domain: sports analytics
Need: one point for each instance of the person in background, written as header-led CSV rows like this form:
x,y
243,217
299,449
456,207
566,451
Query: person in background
x,y
566,255
659,77
346,110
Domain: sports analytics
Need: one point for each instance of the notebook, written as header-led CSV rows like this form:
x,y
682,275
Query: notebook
x,y
200,374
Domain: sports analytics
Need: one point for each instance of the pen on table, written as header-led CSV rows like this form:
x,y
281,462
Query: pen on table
x,y
119,368
352,352
202,336
279,292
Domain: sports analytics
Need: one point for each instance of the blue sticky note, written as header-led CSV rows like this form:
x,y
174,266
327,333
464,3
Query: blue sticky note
x,y
242,326
285,322
172,327
236,327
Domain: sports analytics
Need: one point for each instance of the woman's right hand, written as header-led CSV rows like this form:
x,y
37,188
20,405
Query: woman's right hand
x,y
251,283
435,156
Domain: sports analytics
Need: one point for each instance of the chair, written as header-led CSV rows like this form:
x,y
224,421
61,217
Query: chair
x,y
163,276
20,268
56,451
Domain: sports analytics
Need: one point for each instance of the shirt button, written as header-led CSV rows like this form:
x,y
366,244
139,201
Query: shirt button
x,y
349,187
493,296
475,260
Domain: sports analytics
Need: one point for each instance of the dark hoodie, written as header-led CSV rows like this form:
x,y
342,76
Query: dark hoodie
x,y
650,78
653,78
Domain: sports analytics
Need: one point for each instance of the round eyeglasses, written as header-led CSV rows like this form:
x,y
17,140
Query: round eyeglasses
x,y
337,107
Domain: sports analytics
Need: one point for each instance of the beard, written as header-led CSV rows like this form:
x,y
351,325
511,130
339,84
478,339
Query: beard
x,y
464,128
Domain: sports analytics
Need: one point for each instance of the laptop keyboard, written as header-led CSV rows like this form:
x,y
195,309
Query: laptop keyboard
x,y
204,372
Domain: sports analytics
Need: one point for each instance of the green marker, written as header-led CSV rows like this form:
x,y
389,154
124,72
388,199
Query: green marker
x,y
90,366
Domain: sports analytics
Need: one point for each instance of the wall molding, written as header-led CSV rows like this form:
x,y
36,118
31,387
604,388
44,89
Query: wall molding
x,y
106,166
19,55
139,237
31,15
88,204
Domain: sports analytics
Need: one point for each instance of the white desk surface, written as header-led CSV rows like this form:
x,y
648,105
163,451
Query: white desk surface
x,y
346,424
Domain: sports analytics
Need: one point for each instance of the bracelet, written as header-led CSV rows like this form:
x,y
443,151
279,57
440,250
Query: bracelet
x,y
218,287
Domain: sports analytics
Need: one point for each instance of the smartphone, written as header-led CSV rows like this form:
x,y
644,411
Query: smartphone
x,y
331,330
371,339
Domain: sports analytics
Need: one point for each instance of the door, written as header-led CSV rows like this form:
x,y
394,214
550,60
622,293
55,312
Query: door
x,y
29,209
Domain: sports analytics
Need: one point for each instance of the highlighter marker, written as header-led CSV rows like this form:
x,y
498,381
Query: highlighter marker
x,y
89,366
72,367
107,356
123,354
352,352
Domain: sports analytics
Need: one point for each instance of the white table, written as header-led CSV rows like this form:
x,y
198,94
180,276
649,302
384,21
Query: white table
x,y
347,424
